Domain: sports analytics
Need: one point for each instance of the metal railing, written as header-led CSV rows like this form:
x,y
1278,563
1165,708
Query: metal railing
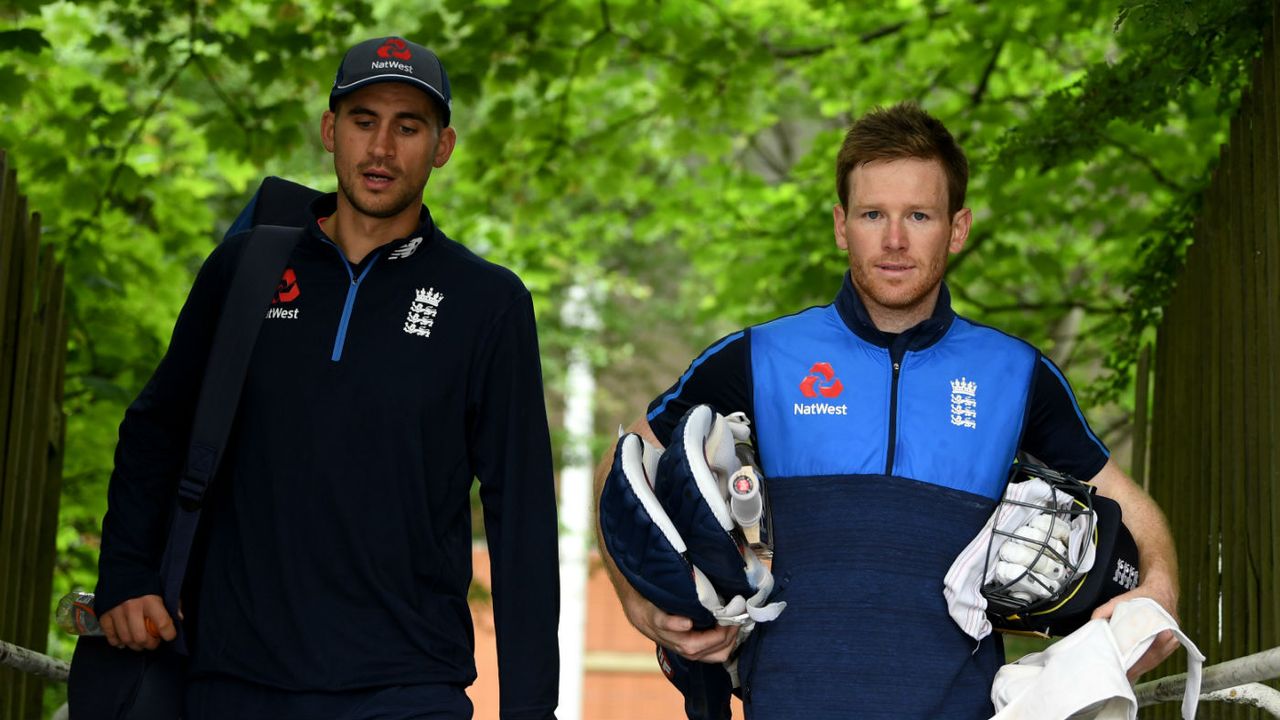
x,y
1236,681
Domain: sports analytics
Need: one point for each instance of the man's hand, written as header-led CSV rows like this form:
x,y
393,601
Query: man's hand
x,y
670,631
1164,644
138,624
676,633
1158,563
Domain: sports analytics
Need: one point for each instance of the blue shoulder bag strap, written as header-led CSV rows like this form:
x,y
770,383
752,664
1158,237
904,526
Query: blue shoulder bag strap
x,y
254,284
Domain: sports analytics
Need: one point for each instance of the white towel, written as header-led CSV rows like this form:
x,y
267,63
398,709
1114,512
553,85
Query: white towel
x,y
1082,676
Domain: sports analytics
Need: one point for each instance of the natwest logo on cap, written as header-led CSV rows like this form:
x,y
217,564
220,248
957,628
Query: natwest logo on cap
x,y
395,48
830,384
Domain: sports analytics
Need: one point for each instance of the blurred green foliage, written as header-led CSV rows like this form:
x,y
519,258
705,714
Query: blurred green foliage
x,y
677,154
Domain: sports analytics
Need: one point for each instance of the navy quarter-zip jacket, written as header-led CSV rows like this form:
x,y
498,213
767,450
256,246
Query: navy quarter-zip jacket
x,y
337,536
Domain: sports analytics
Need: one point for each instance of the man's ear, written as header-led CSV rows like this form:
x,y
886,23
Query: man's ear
x,y
327,122
838,215
444,148
960,224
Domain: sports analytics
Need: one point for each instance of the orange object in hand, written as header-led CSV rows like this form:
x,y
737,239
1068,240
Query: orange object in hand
x,y
151,628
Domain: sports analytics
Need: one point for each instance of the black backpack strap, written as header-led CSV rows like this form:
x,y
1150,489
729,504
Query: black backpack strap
x,y
284,202
255,281
276,202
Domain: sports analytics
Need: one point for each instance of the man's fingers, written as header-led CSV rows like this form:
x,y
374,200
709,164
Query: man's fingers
x,y
711,645
676,632
156,621
108,624
671,623
138,623
163,627
139,638
1162,647
1105,610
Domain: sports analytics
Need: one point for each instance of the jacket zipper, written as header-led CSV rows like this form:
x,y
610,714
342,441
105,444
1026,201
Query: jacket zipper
x,y
893,416
341,340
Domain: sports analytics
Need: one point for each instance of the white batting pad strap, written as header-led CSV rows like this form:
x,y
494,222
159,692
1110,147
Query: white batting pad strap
x,y
746,612
765,613
708,444
739,426
707,594
649,457
740,611
731,666
636,459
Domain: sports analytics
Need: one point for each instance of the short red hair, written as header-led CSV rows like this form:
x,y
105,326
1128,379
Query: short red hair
x,y
897,133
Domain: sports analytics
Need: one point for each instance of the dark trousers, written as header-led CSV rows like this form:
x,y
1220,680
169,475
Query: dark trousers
x,y
229,699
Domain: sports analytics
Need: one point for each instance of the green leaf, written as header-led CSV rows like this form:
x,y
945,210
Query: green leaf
x,y
12,86
27,40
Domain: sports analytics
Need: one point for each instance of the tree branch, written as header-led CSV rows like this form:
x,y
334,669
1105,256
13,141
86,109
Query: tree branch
x,y
981,90
84,223
560,139
1040,306
778,166
30,661
615,126
794,53
1147,162
230,104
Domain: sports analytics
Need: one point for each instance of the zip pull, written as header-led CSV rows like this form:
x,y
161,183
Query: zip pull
x,y
893,417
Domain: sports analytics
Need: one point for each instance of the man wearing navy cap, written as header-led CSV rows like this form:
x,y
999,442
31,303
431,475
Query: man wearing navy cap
x,y
394,367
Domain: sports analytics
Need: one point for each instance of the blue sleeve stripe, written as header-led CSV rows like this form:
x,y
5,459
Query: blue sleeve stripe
x,y
689,373
1076,406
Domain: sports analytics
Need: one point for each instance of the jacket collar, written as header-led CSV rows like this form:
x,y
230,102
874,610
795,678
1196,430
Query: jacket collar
x,y
920,336
326,205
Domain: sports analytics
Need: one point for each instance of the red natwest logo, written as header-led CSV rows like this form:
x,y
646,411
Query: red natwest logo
x,y
394,48
830,384
287,291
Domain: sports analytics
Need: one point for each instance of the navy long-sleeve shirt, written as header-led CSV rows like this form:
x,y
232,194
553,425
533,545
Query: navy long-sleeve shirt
x,y
337,536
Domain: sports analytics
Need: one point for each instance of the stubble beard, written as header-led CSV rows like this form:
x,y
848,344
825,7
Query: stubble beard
x,y
903,297
381,206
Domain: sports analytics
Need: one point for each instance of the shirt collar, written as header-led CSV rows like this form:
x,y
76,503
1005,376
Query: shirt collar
x,y
920,336
326,205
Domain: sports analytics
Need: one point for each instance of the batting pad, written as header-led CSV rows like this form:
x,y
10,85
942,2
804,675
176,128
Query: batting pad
x,y
692,486
644,543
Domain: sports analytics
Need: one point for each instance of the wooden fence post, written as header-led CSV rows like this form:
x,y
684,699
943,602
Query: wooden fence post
x,y
1215,456
32,358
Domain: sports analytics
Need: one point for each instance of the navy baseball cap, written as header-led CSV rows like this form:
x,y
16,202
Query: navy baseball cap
x,y
393,59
